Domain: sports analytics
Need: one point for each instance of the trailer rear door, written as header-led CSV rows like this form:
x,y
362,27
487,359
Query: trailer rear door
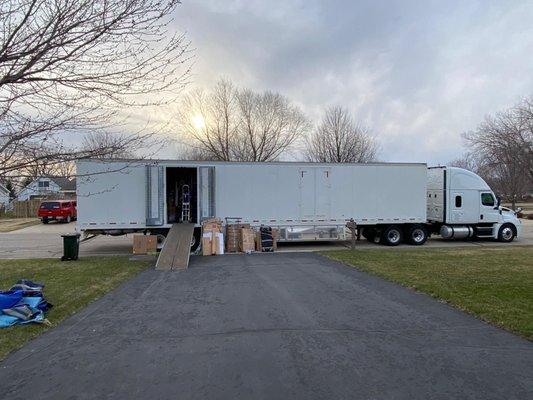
x,y
154,195
207,192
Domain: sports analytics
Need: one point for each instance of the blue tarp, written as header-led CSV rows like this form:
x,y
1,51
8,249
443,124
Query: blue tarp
x,y
10,298
31,296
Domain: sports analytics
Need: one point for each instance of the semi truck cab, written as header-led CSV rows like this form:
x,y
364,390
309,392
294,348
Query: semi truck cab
x,y
460,204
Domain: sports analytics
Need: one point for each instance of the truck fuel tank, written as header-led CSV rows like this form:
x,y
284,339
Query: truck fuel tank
x,y
456,232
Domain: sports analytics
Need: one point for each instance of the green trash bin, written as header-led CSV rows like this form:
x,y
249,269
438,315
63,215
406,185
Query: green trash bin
x,y
71,246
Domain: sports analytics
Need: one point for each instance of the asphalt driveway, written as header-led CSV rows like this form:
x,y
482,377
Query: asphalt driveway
x,y
275,326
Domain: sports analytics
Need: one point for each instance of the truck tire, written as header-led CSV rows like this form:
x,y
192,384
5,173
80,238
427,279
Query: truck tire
x,y
506,233
392,236
69,219
417,235
195,242
45,220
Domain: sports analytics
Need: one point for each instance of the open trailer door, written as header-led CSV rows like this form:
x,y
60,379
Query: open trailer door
x,y
154,195
207,192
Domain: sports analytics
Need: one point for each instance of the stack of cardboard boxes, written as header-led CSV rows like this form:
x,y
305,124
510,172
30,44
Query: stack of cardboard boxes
x,y
212,237
239,238
234,237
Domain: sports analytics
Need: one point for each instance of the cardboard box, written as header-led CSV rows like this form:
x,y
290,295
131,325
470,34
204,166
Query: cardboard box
x,y
144,244
207,246
211,227
247,243
234,237
218,243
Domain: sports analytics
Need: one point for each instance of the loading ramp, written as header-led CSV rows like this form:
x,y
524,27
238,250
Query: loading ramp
x,y
177,248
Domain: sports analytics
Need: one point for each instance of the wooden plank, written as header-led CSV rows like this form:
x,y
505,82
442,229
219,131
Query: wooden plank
x,y
183,249
176,250
182,255
166,256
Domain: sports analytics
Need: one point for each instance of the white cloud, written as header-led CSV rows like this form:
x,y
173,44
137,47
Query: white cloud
x,y
419,73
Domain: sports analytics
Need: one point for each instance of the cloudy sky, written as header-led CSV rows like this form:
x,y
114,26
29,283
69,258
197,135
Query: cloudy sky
x,y
418,73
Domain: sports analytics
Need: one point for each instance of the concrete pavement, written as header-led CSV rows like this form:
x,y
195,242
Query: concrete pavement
x,y
45,241
270,326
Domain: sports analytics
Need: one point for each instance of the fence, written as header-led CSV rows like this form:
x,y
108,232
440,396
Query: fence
x,y
26,209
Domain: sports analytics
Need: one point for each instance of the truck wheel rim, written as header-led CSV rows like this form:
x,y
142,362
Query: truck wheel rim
x,y
394,236
418,235
507,233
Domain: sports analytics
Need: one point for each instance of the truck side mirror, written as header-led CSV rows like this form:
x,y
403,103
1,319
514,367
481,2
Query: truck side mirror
x,y
498,202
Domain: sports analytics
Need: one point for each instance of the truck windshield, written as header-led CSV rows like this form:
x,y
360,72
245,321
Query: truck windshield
x,y
49,205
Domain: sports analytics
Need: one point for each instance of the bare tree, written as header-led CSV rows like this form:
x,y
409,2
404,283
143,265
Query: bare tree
x,y
70,67
524,112
269,125
115,145
503,144
467,161
338,138
232,124
210,121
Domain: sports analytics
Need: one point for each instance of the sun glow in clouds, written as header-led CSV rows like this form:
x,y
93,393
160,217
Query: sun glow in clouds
x,y
198,122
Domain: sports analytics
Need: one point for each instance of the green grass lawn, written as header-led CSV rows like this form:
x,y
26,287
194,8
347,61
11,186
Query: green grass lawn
x,y
69,286
495,284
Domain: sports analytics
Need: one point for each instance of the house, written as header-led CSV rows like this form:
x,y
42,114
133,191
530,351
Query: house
x,y
48,186
4,196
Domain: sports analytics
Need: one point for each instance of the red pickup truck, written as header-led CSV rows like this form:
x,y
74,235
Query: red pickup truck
x,y
57,210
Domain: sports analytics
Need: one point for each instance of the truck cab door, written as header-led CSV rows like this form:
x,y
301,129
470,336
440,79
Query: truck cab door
x,y
457,208
487,211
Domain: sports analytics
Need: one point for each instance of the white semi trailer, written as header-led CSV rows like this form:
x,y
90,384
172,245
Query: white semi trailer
x,y
390,202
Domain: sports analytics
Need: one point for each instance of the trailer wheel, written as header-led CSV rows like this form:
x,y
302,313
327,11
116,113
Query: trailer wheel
x,y
392,236
506,233
195,241
417,235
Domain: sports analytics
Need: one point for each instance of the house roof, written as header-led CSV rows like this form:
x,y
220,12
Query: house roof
x,y
64,183
3,189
